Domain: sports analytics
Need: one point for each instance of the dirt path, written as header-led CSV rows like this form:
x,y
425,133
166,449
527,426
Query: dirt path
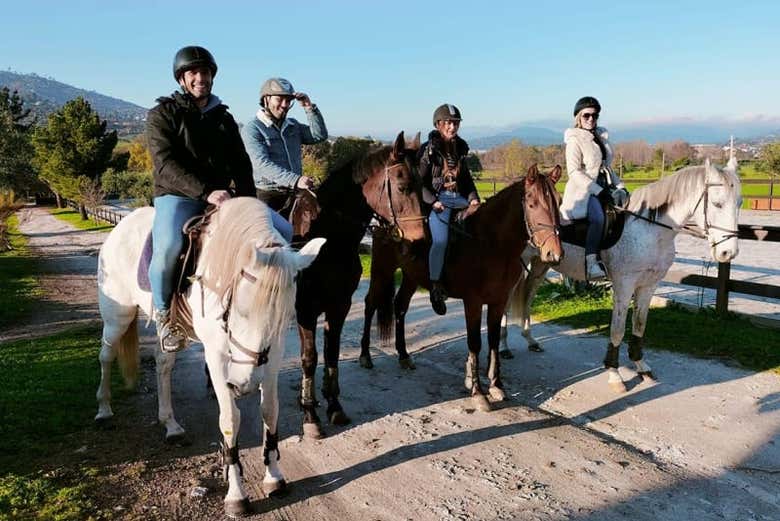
x,y
702,444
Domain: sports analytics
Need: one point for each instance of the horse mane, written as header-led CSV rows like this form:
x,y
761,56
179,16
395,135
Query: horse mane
x,y
665,191
367,164
241,225
507,192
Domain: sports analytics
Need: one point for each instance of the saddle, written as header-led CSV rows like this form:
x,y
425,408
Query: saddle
x,y
186,265
614,221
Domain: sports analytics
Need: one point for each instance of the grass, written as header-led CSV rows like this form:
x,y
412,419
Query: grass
x,y
700,333
19,289
48,398
73,217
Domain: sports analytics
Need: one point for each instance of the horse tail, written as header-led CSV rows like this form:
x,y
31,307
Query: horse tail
x,y
385,313
516,302
127,354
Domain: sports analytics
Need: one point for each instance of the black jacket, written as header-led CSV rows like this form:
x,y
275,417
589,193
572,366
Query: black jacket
x,y
196,153
432,160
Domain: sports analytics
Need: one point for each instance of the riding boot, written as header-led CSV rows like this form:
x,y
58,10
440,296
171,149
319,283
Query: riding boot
x,y
172,336
438,296
594,269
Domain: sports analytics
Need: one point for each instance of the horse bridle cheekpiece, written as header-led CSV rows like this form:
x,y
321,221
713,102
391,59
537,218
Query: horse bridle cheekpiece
x,y
532,228
730,234
256,358
396,232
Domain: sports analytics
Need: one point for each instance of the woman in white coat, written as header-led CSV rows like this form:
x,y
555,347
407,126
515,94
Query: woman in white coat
x,y
588,160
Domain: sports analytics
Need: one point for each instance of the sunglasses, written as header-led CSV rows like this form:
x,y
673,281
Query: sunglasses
x,y
589,115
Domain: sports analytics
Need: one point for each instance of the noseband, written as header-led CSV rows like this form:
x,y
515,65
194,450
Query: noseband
x,y
693,230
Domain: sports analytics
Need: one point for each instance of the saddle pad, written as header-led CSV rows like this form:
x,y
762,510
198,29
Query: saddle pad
x,y
142,275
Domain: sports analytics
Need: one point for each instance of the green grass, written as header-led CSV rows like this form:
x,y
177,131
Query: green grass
x,y
73,217
51,496
701,333
19,288
48,399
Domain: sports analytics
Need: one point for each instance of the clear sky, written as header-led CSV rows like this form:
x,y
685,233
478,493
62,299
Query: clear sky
x,y
374,67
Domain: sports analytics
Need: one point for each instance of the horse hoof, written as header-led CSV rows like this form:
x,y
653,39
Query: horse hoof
x,y
312,431
497,394
648,377
177,439
235,508
366,363
339,418
506,354
407,363
275,488
618,387
481,402
105,422
535,348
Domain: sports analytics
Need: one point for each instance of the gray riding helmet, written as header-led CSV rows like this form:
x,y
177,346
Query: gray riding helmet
x,y
275,87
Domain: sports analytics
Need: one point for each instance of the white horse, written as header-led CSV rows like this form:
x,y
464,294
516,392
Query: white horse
x,y
706,195
242,301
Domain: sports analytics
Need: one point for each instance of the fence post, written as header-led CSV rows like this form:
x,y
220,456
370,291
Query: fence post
x,y
494,186
722,296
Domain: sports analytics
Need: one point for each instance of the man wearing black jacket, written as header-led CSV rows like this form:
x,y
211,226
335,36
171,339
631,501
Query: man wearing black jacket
x,y
197,153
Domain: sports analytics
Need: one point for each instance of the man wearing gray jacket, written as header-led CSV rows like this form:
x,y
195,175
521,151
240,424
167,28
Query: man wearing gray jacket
x,y
273,142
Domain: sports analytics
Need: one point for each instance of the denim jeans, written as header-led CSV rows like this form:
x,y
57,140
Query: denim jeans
x,y
440,231
170,214
595,225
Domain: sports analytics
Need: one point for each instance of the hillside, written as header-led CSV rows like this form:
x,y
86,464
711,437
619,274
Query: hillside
x,y
45,95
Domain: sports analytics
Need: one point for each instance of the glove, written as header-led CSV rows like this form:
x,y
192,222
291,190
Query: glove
x,y
620,197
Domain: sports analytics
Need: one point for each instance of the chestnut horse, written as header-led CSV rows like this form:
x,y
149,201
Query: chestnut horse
x,y
382,184
482,268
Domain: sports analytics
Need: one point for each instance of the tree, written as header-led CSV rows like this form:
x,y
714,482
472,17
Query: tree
x,y
73,144
769,160
140,156
16,150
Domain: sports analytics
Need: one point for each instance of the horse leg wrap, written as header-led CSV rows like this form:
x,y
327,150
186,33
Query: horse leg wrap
x,y
229,456
271,443
612,360
307,393
635,344
330,383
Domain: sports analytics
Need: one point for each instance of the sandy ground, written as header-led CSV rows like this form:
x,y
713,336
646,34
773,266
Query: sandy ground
x,y
703,443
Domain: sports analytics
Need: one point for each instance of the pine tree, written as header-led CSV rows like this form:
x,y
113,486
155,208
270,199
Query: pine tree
x,y
72,146
16,172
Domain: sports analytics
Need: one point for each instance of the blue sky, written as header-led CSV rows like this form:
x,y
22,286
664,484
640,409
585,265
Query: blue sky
x,y
374,68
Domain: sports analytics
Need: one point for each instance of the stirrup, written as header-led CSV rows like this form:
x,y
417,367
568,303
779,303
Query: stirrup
x,y
172,337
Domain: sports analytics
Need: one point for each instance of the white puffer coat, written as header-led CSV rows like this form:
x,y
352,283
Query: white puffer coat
x,y
583,162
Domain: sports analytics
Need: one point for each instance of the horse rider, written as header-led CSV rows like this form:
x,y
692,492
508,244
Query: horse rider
x,y
447,185
591,179
274,142
197,153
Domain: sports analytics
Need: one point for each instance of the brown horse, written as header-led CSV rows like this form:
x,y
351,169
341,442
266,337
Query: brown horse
x,y
383,185
481,269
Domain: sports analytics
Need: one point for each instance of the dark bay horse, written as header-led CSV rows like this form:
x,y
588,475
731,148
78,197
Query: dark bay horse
x,y
481,269
382,184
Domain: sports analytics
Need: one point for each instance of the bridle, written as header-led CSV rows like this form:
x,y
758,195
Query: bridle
x,y
394,227
692,229
533,228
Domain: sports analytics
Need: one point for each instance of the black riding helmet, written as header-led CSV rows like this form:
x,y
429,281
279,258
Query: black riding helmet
x,y
446,112
587,102
190,57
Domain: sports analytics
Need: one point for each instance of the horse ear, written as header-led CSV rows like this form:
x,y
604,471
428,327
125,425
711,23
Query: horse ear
x,y
399,146
415,142
533,172
309,252
555,175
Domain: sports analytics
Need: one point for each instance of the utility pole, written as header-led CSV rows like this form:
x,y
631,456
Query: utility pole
x,y
663,161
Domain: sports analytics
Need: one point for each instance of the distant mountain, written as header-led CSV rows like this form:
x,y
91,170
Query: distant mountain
x,y
45,95
550,132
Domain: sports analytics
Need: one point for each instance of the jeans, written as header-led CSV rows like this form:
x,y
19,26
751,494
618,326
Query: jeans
x,y
440,231
595,225
170,214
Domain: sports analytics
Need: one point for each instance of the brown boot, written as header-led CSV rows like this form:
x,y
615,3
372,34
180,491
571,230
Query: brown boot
x,y
438,296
